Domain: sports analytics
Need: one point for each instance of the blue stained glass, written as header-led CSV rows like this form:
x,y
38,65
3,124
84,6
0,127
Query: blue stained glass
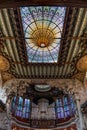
x,y
65,100
61,109
14,99
26,102
68,113
28,109
22,107
62,114
42,29
27,115
13,104
58,109
20,100
65,107
19,108
72,105
65,114
57,102
24,115
59,116
18,113
60,102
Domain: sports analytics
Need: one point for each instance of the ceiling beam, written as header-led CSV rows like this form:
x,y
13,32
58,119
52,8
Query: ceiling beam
x,y
18,3
29,63
22,38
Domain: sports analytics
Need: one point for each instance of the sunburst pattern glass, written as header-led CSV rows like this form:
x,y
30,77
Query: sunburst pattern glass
x,y
43,28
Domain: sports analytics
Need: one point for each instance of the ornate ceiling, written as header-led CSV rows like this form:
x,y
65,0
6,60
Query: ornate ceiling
x,y
70,52
72,43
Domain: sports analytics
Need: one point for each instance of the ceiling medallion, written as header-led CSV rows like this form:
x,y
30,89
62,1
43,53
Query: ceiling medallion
x,y
4,64
43,37
82,64
7,76
80,76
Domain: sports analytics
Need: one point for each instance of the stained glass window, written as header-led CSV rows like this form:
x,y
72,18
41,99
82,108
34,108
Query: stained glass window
x,y
21,107
13,105
65,107
43,28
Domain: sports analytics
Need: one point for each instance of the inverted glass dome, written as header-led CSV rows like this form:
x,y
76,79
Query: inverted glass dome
x,y
43,27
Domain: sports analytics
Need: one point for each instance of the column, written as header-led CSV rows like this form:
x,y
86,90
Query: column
x,y
8,106
77,100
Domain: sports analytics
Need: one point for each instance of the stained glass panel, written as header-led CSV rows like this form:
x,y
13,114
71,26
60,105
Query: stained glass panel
x,y
65,107
43,28
21,107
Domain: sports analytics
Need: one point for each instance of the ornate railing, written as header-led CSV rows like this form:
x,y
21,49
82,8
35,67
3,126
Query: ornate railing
x,y
43,123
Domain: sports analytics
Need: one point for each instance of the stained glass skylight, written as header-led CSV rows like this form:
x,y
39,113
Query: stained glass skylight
x,y
43,26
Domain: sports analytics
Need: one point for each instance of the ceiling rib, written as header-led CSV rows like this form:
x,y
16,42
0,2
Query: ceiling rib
x,y
63,38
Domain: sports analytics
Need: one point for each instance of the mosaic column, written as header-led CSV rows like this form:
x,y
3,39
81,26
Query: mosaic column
x,y
81,123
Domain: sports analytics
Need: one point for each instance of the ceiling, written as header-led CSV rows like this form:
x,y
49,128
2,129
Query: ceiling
x,y
72,43
18,3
